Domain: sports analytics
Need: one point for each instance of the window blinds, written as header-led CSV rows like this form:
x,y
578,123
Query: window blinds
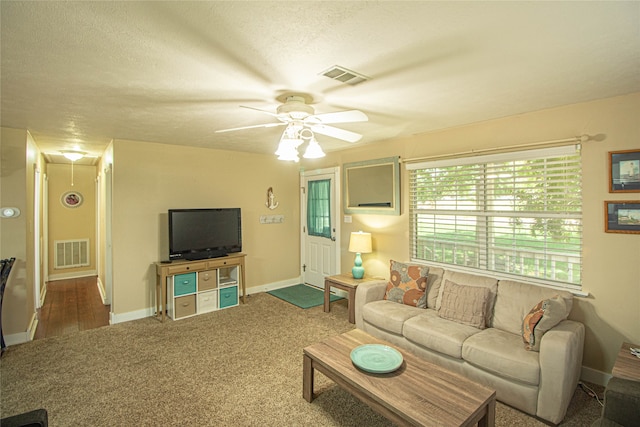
x,y
517,214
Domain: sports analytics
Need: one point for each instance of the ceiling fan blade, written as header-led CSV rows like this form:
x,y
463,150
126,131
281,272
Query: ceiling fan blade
x,y
336,132
340,117
266,125
262,111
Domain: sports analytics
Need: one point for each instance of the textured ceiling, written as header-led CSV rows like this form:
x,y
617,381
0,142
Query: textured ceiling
x,y
84,73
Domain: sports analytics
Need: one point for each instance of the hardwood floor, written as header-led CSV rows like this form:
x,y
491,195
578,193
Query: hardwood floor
x,y
71,305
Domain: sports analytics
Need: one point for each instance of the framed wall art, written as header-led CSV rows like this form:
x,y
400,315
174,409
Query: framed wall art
x,y
622,216
624,171
72,199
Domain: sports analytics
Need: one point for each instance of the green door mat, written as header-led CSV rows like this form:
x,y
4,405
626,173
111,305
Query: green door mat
x,y
302,296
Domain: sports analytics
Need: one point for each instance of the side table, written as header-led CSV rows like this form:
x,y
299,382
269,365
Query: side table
x,y
347,283
627,366
622,394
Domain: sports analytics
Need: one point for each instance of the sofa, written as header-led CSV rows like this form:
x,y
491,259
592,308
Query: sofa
x,y
511,336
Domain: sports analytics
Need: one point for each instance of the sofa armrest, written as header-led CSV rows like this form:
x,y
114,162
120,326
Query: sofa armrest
x,y
560,365
367,292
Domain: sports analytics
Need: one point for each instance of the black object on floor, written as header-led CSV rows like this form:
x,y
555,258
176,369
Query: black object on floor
x,y
4,277
35,418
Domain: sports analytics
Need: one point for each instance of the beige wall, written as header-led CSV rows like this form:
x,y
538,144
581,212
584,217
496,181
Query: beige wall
x,y
71,223
19,159
611,263
149,179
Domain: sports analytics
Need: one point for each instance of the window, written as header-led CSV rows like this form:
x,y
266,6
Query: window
x,y
319,208
514,214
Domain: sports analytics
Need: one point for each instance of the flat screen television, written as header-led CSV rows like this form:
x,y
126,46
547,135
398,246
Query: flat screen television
x,y
204,233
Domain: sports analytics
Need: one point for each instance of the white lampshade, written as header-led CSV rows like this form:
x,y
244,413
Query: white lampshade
x,y
313,151
360,242
289,143
287,150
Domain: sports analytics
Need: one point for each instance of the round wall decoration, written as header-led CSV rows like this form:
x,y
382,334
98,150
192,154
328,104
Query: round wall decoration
x,y
72,199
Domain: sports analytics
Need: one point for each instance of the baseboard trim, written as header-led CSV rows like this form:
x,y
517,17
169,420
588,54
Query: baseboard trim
x,y
131,315
15,339
33,325
74,275
23,337
594,376
43,294
103,295
275,285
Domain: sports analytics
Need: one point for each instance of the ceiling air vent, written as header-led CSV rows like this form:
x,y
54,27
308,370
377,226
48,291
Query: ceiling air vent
x,y
344,75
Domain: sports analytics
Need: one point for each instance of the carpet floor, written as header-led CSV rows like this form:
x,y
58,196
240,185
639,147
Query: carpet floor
x,y
301,295
236,367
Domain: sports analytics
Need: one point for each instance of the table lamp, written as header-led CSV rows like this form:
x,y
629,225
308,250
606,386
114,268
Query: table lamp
x,y
360,243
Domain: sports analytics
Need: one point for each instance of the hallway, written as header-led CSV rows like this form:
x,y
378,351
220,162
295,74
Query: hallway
x,y
71,305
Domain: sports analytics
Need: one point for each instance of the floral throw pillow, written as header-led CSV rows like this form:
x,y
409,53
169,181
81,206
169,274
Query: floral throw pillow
x,y
407,284
542,317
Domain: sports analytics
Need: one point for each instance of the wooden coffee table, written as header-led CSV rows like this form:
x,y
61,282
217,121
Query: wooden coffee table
x,y
419,393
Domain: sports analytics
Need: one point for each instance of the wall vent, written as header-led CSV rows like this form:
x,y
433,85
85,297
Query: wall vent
x,y
344,75
71,253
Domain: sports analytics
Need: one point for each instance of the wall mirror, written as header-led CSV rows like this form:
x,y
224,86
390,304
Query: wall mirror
x,y
372,187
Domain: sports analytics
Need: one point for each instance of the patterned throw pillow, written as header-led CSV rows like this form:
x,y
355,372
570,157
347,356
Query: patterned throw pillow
x,y
542,317
465,304
407,284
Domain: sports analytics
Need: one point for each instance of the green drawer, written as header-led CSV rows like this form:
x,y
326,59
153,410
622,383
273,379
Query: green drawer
x,y
184,284
228,296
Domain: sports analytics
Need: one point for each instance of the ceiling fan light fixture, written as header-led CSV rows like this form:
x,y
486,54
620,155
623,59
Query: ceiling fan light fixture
x,y
313,151
288,149
302,122
288,154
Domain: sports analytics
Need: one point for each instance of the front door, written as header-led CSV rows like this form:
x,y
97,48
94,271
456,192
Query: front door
x,y
320,232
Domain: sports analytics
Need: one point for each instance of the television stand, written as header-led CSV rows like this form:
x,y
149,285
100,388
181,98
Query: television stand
x,y
201,288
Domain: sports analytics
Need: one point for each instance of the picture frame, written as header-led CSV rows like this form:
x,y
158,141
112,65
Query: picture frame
x,y
624,171
72,199
622,216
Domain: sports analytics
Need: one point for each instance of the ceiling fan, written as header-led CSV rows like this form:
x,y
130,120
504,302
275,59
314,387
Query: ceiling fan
x,y
295,111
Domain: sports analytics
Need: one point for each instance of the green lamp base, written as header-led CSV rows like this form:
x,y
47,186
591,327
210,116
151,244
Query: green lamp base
x,y
358,270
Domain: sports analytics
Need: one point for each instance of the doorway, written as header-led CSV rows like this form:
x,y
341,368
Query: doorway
x,y
320,231
71,305
73,235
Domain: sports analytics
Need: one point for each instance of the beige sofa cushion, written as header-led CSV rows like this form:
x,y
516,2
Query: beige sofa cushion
x,y
468,279
389,315
515,300
438,334
464,304
503,354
